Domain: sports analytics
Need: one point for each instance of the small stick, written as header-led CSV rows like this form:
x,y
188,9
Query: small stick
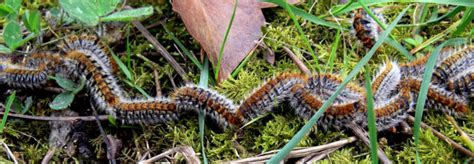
x,y
160,48
45,118
317,156
172,81
464,136
405,127
297,61
268,53
9,152
104,137
361,134
54,89
444,138
48,156
157,83
298,153
187,151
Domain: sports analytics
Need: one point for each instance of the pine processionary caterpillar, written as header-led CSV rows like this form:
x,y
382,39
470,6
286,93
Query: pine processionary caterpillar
x,y
366,29
463,84
90,46
386,81
395,89
440,98
456,63
273,91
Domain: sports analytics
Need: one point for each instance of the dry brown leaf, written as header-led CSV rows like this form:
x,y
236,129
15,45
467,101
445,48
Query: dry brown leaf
x,y
207,21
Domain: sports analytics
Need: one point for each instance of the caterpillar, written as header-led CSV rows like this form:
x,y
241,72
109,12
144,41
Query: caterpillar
x,y
395,88
365,28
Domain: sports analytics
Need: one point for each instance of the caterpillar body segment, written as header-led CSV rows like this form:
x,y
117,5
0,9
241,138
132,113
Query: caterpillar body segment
x,y
217,107
439,98
463,84
90,46
271,93
147,111
454,64
387,81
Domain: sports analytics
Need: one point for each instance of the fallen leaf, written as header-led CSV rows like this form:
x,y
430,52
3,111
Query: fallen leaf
x,y
207,21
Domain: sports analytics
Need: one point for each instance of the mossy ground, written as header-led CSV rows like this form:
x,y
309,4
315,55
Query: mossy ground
x,y
29,139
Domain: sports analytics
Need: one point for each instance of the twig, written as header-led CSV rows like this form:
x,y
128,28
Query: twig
x,y
268,53
444,138
157,83
104,137
297,61
298,153
160,48
9,152
464,136
54,89
317,156
45,118
172,81
48,156
23,133
361,134
405,127
188,153
115,145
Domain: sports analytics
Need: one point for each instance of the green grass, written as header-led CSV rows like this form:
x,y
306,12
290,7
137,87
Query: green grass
x,y
221,50
334,46
7,110
203,82
371,118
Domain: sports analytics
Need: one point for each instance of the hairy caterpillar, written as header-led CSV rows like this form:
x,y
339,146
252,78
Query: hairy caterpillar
x,y
395,89
365,28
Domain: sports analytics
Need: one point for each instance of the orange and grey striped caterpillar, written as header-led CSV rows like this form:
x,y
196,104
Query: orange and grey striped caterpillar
x,y
365,28
395,89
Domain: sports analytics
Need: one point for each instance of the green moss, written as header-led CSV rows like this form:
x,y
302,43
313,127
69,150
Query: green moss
x,y
431,150
346,155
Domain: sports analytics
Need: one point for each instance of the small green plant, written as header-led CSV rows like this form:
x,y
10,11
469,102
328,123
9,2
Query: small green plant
x,y
22,107
91,12
63,100
7,109
12,34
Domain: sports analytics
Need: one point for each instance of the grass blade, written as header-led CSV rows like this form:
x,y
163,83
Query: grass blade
x,y
450,14
334,45
400,48
241,65
7,109
304,14
122,66
183,49
203,82
435,38
420,102
302,132
337,9
371,118
221,51
466,19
